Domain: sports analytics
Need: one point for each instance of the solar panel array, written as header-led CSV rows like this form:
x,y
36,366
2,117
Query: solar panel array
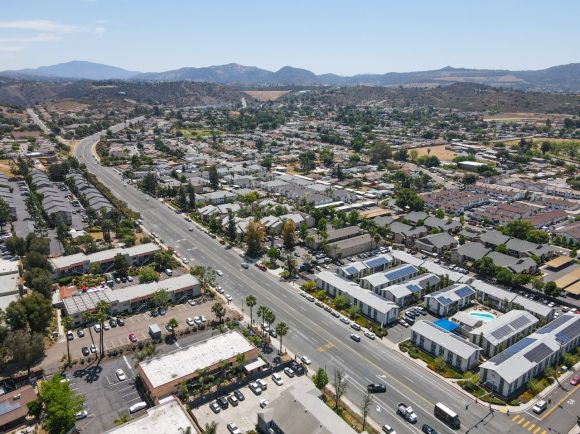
x,y
444,300
414,288
350,270
8,406
502,332
569,332
539,353
554,324
400,272
513,326
464,291
520,322
513,350
375,262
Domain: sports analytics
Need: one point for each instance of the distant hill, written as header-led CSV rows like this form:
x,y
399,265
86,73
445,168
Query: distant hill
x,y
25,92
75,69
564,78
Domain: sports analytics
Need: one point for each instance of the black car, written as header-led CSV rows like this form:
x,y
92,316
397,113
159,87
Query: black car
x,y
411,314
223,402
154,313
297,368
113,322
239,395
85,351
120,322
377,388
428,429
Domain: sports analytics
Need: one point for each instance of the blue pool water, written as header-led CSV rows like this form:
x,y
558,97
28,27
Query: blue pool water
x,y
482,315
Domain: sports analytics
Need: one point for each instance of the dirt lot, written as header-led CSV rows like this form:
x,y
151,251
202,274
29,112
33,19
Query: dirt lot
x,y
67,106
439,151
266,95
524,117
5,168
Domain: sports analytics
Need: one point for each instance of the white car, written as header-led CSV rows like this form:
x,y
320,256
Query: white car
x,y
106,326
120,375
197,320
305,360
277,379
388,429
97,328
81,414
540,407
190,321
233,428
219,289
229,297
370,335
403,323
185,261
219,272
264,403
190,229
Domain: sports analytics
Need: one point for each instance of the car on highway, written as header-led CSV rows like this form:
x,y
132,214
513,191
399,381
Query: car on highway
x,y
370,335
277,379
388,429
229,298
407,412
355,337
305,360
132,337
190,229
121,375
428,429
355,326
540,407
85,351
189,321
377,388
289,372
219,272
233,428
575,380
240,395
245,265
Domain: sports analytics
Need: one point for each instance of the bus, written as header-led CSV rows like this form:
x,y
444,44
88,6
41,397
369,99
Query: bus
x,y
447,415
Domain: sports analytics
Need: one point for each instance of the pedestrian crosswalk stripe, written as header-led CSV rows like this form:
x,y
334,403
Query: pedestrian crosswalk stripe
x,y
516,417
526,424
520,421
531,427
537,429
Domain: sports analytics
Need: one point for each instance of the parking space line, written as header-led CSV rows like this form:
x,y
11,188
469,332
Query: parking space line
x,y
537,429
531,427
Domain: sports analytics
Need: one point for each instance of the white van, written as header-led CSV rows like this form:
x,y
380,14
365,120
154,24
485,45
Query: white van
x,y
263,385
169,272
136,407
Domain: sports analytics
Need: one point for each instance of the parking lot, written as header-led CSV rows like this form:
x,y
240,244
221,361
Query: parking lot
x,y
244,414
106,397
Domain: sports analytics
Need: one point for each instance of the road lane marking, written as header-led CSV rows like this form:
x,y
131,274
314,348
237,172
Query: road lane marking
x,y
546,414
520,421
525,424
531,427
537,429
516,417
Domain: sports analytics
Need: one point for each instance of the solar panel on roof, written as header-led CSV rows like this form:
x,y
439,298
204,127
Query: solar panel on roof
x,y
8,406
464,291
350,270
375,262
568,333
510,351
444,300
502,332
520,322
414,288
554,324
539,353
398,273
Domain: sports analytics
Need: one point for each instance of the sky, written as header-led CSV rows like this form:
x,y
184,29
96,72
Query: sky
x,y
340,36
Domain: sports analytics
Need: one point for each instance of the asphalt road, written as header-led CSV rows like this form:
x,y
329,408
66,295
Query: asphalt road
x,y
312,331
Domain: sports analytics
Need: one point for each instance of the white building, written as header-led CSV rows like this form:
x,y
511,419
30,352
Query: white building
x,y
456,351
378,281
510,370
450,299
405,293
502,332
357,270
371,305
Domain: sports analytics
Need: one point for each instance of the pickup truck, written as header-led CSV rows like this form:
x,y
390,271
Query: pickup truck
x,y
407,412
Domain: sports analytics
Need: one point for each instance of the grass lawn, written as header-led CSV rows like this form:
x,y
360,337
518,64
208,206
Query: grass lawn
x,y
192,133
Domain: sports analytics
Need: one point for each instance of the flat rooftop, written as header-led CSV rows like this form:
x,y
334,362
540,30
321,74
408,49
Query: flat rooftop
x,y
186,361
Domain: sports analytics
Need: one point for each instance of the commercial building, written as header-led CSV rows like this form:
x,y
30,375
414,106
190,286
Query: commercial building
x,y
80,263
456,351
502,332
450,299
371,305
351,246
297,411
376,282
509,371
163,374
129,299
504,301
168,418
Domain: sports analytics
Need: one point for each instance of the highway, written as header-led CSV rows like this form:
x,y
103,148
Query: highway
x,y
312,331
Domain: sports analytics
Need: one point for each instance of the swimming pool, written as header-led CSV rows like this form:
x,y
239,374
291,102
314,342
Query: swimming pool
x,y
485,316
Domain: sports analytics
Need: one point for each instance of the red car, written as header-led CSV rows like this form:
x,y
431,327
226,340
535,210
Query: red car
x,y
222,242
132,337
575,380
262,267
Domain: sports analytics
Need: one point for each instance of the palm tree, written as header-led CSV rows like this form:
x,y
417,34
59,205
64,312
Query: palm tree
x,y
219,311
240,360
66,325
262,310
251,302
101,315
173,323
210,428
281,330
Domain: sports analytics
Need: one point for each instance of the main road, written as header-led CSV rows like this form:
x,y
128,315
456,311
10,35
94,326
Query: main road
x,y
312,331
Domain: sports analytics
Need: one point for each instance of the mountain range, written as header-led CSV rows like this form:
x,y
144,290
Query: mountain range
x,y
563,78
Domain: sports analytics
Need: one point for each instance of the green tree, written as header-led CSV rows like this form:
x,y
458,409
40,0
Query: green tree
x,y
255,234
502,248
67,323
406,197
281,330
251,302
24,347
214,177
148,274
33,312
326,156
504,276
59,404
173,324
439,364
289,234
160,297
210,427
439,213
121,265
150,184
320,378
274,254
262,313
219,311
16,245
5,214
341,302
232,232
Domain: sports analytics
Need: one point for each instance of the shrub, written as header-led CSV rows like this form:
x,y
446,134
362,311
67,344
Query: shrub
x,y
63,281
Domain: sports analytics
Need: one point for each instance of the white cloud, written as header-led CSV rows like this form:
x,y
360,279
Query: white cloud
x,y
100,30
19,43
39,26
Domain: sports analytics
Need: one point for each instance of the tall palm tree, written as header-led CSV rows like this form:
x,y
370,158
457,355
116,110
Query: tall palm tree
x,y
270,318
173,323
67,325
101,315
281,330
262,311
251,302
210,428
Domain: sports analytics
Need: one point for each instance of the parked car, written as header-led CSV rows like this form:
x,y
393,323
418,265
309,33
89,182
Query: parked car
x,y
93,348
388,429
233,400
403,323
355,326
305,360
189,321
120,322
427,429
233,428
370,335
223,402
263,385
97,328
120,374
264,403
81,414
277,379
255,388
85,351
289,372
215,407
240,395
69,335
132,337
219,272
